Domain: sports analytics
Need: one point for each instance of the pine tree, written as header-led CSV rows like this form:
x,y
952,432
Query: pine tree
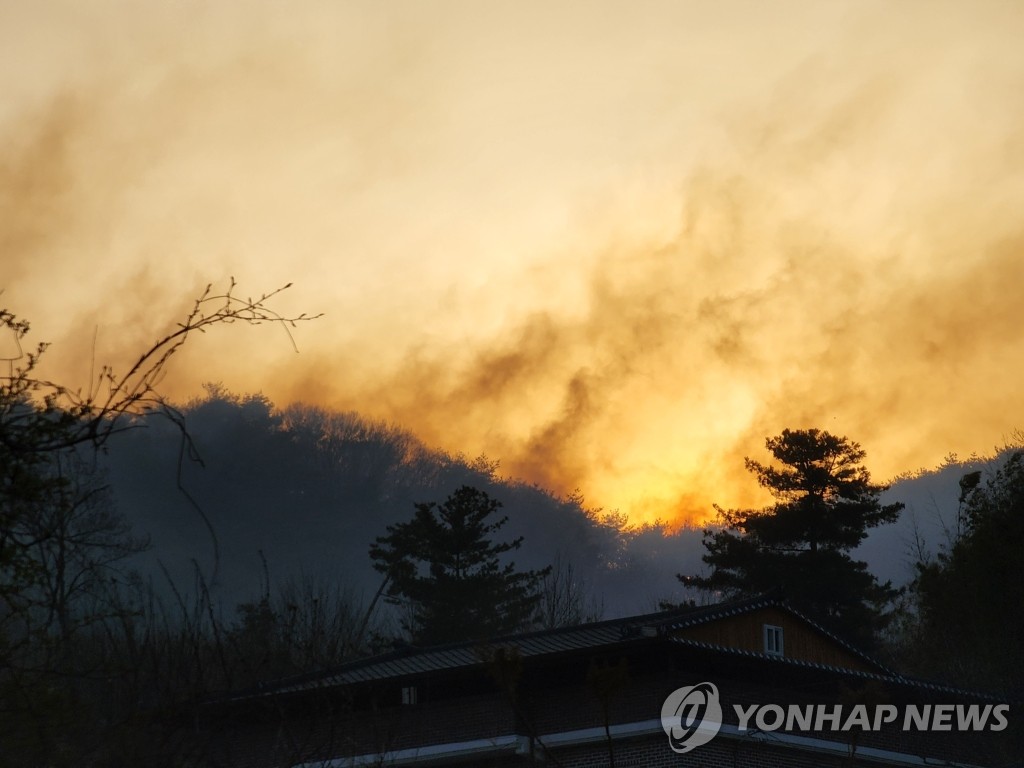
x,y
443,566
799,547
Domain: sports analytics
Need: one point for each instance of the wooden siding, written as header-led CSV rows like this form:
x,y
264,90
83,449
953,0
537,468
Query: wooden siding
x,y
801,641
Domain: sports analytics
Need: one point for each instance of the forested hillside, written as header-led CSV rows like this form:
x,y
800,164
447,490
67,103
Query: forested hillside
x,y
255,491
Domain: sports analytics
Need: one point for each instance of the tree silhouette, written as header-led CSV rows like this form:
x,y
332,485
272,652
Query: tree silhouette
x,y
62,542
970,628
799,546
443,566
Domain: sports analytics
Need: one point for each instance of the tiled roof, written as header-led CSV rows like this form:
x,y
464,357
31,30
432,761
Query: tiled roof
x,y
410,661
413,661
888,676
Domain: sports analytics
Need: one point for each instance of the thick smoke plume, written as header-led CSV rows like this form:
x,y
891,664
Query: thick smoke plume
x,y
614,249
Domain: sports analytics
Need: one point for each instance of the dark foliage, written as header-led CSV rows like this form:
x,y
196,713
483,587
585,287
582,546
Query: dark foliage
x,y
86,662
970,622
443,566
799,546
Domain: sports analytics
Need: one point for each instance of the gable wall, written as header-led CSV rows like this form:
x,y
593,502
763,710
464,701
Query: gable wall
x,y
801,641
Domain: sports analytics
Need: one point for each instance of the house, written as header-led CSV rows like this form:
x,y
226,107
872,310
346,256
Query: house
x,y
637,691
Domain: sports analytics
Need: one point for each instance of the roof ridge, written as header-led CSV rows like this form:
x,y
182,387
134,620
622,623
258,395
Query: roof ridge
x,y
656,617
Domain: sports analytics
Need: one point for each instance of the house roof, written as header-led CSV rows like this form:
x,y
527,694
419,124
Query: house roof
x,y
887,676
411,661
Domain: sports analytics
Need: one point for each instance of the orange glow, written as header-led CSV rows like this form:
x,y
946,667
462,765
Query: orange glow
x,y
614,249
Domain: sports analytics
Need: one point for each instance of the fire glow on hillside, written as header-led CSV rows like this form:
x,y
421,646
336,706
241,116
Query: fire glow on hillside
x,y
614,250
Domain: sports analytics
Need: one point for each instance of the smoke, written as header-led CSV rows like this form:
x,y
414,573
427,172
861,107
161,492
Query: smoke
x,y
613,249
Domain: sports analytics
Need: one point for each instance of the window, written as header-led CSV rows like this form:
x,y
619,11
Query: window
x,y
773,640
409,694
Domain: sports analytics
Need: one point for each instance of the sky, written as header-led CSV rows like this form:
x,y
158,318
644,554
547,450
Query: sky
x,y
612,245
